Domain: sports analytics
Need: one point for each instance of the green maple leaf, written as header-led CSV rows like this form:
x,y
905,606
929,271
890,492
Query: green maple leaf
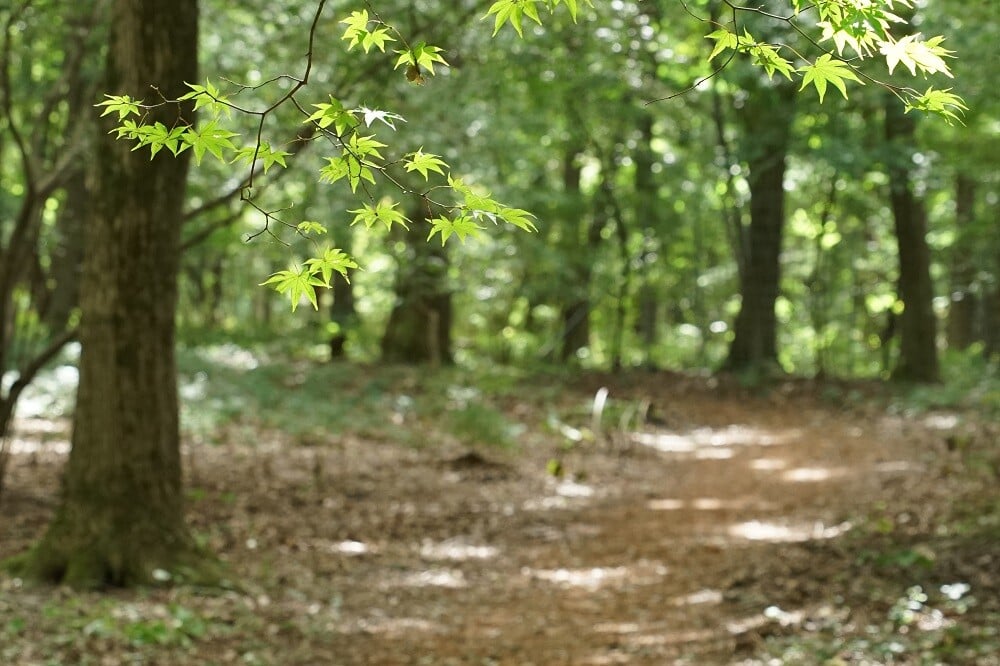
x,y
363,146
723,40
461,226
519,218
346,166
309,227
210,138
357,28
376,38
264,153
942,102
421,57
296,282
335,114
513,12
384,212
123,105
477,202
423,163
332,260
207,95
826,70
572,5
767,56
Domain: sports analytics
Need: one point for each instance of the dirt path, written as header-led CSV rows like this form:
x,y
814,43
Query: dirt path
x,y
663,546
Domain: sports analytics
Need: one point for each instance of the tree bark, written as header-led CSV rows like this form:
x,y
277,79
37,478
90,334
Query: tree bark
x,y
962,311
120,521
767,119
918,354
419,327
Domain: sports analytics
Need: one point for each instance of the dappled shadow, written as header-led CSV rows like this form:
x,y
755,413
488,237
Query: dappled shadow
x,y
697,543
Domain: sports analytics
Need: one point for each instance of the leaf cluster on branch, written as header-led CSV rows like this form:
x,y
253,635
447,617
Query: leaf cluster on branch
x,y
858,29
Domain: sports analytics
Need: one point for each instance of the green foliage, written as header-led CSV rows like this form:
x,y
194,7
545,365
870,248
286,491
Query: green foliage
x,y
364,160
423,163
514,11
301,281
864,29
384,211
357,32
828,70
461,226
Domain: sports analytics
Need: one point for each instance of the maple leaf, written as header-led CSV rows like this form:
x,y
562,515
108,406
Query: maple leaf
x,y
826,70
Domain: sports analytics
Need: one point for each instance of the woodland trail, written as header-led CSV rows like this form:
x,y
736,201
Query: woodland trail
x,y
723,520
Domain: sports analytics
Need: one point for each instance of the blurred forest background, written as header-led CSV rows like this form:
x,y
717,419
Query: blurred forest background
x,y
738,240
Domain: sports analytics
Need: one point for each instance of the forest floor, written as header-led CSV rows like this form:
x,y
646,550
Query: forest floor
x,y
694,521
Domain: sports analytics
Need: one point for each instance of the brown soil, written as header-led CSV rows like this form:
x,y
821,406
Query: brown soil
x,y
663,542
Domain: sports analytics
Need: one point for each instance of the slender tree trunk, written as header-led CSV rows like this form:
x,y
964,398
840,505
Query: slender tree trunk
x,y
576,310
343,313
918,355
962,312
767,125
419,327
120,521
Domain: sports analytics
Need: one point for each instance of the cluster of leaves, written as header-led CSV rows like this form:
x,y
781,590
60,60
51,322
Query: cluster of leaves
x,y
514,11
863,29
363,161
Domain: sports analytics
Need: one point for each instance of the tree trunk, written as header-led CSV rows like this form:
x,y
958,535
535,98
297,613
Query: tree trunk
x,y
767,120
120,521
583,242
419,327
918,355
962,311
343,314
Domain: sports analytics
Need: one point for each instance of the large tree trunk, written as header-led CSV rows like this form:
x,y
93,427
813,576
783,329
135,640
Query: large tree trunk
x,y
918,355
120,521
767,119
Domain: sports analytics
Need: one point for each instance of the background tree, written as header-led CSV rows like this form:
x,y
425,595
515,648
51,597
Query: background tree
x,y
47,80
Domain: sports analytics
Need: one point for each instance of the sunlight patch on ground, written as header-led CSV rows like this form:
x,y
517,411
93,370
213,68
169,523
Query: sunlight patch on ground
x,y
813,474
456,550
768,464
756,530
573,489
715,454
616,628
941,421
350,547
394,626
893,466
705,596
698,504
703,438
450,578
230,355
566,492
590,579
642,572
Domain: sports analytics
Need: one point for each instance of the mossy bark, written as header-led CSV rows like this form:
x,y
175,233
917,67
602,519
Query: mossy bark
x,y
121,521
